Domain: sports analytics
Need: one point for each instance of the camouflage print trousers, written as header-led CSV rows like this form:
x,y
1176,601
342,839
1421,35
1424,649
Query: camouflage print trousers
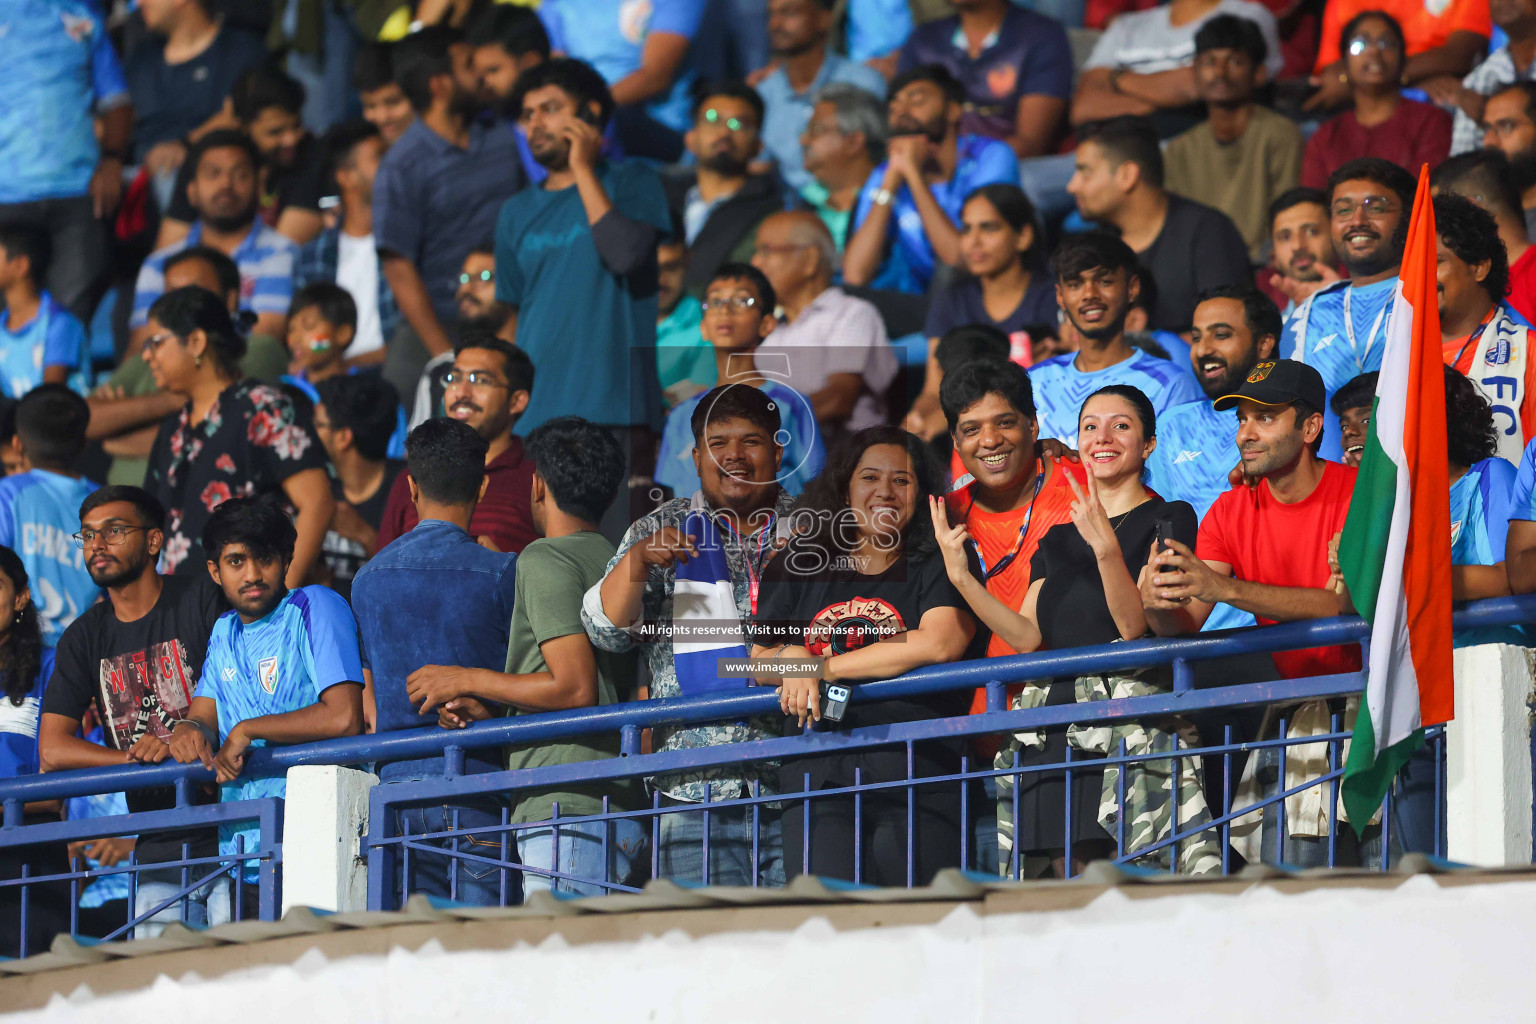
x,y
1150,795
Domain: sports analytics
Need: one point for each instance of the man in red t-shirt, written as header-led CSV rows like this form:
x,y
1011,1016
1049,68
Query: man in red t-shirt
x,y
487,387
1264,548
1012,496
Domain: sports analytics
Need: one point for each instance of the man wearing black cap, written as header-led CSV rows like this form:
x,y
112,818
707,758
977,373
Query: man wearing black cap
x,y
1264,548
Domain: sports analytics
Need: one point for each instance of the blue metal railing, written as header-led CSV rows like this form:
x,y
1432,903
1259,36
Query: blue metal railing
x,y
386,847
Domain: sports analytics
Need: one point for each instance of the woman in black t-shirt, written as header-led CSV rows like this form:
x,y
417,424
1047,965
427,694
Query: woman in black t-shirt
x,y
234,438
863,588
1082,592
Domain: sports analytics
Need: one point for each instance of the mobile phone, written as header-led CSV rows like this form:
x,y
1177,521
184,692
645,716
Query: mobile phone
x,y
834,701
1164,539
585,113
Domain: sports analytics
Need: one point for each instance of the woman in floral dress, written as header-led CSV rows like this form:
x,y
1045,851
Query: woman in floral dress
x,y
233,438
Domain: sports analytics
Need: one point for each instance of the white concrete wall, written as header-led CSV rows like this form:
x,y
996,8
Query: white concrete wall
x,y
1416,952
324,817
1488,757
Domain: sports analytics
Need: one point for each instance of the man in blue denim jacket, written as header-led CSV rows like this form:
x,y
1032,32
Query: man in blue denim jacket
x,y
434,596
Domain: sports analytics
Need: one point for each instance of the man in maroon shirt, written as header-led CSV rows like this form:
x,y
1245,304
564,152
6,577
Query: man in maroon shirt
x,y
488,388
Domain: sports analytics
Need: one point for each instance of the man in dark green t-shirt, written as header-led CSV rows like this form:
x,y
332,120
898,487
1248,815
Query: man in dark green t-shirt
x,y
552,666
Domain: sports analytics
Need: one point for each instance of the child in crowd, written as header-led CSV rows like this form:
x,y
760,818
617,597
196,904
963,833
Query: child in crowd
x,y
322,320
40,341
738,314
1352,405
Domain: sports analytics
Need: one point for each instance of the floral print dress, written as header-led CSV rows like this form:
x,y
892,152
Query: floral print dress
x,y
249,443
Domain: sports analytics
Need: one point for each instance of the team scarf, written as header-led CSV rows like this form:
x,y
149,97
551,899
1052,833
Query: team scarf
x,y
1396,548
1502,348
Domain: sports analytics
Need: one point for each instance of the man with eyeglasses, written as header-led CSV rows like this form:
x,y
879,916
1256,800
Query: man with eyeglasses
x,y
833,345
1509,122
576,258
1342,329
488,387
719,201
137,656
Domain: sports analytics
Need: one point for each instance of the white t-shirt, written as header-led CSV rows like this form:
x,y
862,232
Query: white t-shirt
x,y
357,270
1147,42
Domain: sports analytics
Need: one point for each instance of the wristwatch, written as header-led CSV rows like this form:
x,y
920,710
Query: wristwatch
x,y
883,197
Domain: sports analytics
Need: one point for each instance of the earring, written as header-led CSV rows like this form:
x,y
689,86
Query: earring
x,y
197,362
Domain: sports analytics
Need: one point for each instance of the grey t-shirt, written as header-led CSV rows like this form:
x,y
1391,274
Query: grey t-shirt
x,y
1147,42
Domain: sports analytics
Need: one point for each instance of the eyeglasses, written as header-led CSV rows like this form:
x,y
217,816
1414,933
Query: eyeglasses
x,y
474,378
1381,44
735,124
1374,206
734,303
113,535
154,341
484,275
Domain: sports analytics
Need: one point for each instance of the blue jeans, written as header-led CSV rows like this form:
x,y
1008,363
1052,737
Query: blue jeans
x,y
681,846
471,882
581,856
206,907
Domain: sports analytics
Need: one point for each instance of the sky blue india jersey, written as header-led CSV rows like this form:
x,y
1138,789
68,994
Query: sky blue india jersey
x,y
39,513
277,664
51,338
1060,388
1340,347
1196,449
1480,513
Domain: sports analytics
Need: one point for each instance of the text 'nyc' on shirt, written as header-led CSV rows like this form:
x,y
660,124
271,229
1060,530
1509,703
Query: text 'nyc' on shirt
x,y
282,662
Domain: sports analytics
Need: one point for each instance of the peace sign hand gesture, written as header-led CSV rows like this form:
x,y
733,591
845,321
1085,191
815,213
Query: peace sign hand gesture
x,y
1092,522
952,540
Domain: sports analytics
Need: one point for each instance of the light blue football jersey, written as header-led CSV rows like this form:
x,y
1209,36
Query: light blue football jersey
x,y
39,513
1480,513
277,664
1061,388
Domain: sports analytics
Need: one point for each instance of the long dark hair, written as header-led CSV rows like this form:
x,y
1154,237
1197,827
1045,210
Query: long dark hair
x,y
184,310
22,652
827,495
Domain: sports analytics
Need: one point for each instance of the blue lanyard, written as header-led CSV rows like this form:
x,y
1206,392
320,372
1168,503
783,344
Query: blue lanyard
x,y
1018,543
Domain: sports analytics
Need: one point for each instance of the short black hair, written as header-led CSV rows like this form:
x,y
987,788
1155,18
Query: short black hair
x,y
421,57
1095,250
258,523
1146,294
1230,32
1359,392
446,458
976,380
224,268
736,402
1128,139
516,29
265,85
341,141
1526,88
731,88
580,462
1393,26
750,274
937,74
1381,172
373,67
367,405
31,241
1260,313
333,302
51,421
1014,207
1469,231
1470,432
518,366
1483,174
145,505
576,78
1296,197
222,138
968,343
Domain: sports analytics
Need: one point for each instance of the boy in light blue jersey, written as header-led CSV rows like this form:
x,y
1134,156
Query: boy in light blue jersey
x,y
1096,285
1342,329
1235,327
40,340
40,505
282,667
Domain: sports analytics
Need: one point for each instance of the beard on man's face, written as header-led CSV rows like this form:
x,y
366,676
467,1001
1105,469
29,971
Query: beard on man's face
x,y
1383,257
935,129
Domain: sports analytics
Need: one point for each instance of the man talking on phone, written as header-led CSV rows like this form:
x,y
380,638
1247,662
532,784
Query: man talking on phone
x,y
576,257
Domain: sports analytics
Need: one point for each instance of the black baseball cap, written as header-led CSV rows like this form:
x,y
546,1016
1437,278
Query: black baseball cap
x,y
1279,382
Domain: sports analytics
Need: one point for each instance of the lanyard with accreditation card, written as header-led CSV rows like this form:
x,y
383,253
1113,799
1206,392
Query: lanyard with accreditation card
x,y
1018,542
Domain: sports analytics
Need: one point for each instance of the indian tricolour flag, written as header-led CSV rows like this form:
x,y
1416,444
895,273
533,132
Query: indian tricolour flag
x,y
1396,549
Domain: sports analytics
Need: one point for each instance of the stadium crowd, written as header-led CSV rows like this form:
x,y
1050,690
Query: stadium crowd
x,y
372,366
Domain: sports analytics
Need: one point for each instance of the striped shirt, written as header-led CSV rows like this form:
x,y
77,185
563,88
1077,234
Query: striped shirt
x,y
1493,74
265,259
